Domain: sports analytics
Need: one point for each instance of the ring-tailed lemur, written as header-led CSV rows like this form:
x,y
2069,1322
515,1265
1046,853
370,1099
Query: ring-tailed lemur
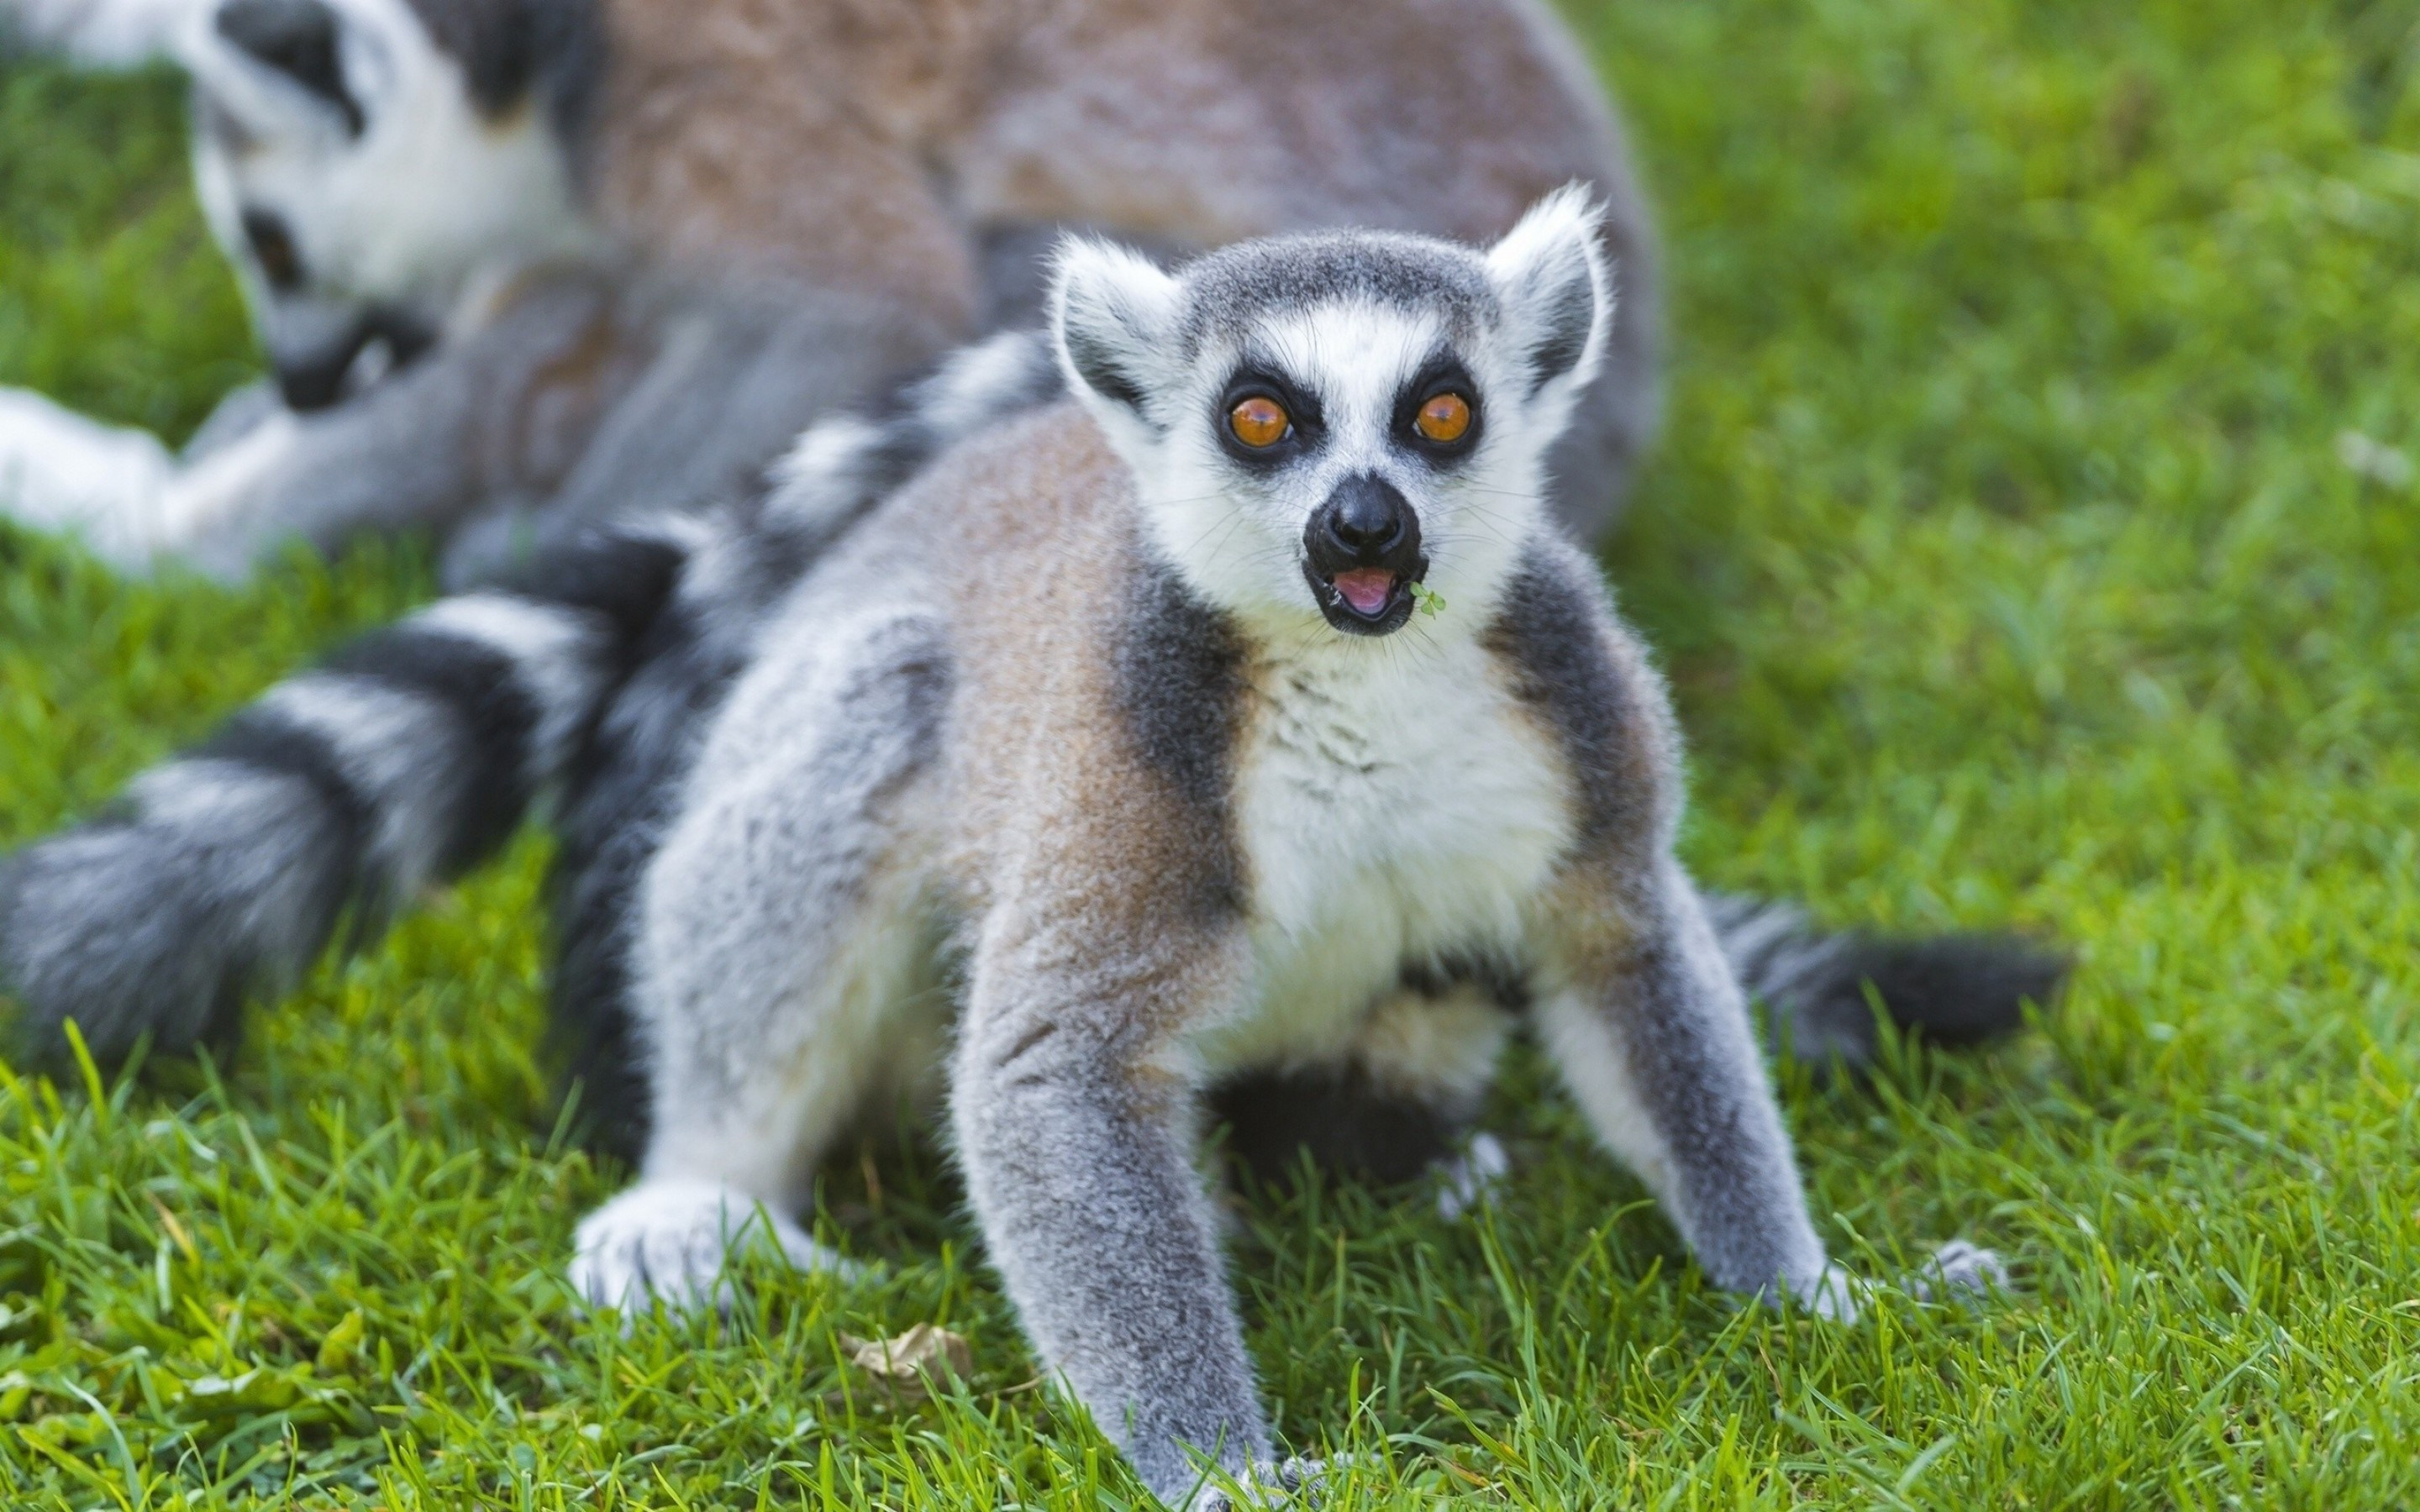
x,y
519,263
1238,718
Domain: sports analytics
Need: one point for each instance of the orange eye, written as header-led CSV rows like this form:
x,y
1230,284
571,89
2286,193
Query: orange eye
x,y
1443,418
1259,422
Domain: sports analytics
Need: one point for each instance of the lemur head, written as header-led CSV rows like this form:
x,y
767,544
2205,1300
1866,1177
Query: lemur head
x,y
1320,425
364,162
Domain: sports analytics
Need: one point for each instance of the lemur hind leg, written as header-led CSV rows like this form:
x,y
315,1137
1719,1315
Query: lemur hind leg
x,y
1397,1101
781,957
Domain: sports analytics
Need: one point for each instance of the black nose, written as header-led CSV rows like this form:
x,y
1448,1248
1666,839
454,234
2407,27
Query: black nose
x,y
1365,518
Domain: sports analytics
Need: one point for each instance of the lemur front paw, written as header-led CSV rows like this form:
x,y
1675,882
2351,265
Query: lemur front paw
x,y
1293,1483
61,471
673,1240
1957,1270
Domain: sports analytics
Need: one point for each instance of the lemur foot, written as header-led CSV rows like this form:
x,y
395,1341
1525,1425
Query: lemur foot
x,y
673,1240
1957,1271
1293,1483
1471,1176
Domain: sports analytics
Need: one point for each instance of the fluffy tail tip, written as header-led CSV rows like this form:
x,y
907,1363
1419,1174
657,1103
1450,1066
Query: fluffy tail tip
x,y
97,926
1953,989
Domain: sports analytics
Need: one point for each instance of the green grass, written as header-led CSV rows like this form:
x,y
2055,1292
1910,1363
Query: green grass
x,y
2009,566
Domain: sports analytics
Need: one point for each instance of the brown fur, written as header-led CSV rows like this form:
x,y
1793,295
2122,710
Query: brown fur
x,y
855,143
1052,797
887,150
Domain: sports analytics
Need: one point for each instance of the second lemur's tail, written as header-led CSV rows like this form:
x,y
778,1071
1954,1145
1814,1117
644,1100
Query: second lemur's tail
x,y
402,760
1955,989
412,755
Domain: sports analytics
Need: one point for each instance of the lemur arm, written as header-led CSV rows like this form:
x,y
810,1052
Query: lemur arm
x,y
1643,1018
1643,1011
418,450
398,456
1076,1132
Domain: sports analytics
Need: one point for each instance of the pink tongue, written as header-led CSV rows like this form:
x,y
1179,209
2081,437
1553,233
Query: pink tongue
x,y
1365,588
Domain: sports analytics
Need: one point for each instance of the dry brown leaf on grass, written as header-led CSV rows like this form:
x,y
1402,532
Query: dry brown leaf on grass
x,y
907,1362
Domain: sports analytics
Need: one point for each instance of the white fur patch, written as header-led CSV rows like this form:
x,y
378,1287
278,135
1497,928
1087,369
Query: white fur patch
x,y
1585,1050
1773,947
200,793
822,476
60,471
1470,1178
385,739
554,652
968,392
1393,806
206,502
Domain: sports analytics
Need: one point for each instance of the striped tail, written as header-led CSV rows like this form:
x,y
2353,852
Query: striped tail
x,y
1955,989
412,755
403,760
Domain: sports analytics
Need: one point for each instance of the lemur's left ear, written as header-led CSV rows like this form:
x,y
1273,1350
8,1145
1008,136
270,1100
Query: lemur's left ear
x,y
1550,272
1113,317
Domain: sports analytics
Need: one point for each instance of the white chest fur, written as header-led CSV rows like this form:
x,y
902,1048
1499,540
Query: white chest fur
x,y
1394,804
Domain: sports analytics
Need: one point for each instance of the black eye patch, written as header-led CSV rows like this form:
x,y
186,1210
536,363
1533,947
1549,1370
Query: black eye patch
x,y
1442,374
273,247
1262,380
298,39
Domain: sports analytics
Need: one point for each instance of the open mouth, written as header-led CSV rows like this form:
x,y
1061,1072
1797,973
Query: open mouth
x,y
377,343
1361,555
1366,590
1362,601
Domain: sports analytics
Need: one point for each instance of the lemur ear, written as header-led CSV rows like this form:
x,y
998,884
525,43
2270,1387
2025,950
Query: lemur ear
x,y
1113,317
1550,272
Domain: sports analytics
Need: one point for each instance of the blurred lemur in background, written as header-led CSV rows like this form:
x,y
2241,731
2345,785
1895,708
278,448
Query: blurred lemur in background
x,y
1196,703
523,265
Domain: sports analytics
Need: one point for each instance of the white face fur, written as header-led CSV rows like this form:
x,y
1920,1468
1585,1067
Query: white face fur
x,y
1317,425
349,175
